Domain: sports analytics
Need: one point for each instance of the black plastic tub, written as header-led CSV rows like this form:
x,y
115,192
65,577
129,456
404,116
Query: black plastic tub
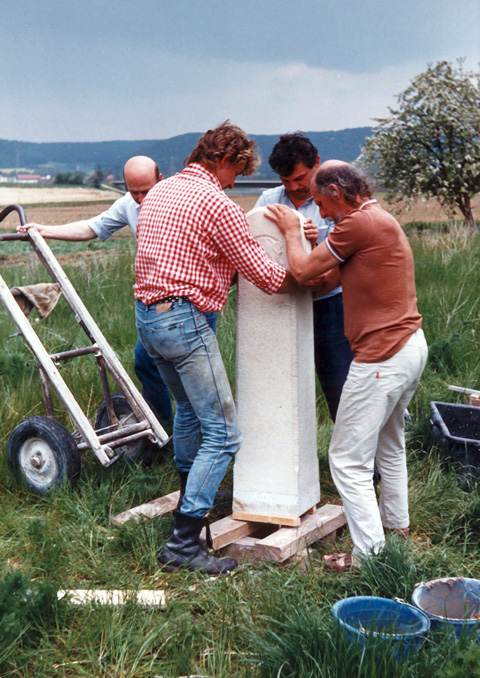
x,y
457,429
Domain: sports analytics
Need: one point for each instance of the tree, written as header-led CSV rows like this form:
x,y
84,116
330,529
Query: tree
x,y
76,179
68,178
62,178
430,144
96,177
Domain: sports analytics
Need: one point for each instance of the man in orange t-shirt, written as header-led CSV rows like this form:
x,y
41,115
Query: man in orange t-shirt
x,y
369,254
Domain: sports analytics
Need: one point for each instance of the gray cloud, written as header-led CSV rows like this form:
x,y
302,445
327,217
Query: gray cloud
x,y
117,70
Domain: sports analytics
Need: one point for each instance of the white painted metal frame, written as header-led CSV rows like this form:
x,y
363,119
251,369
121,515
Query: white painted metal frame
x,y
104,453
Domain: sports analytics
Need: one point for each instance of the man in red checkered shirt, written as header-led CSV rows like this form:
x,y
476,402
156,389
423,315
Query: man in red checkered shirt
x,y
192,239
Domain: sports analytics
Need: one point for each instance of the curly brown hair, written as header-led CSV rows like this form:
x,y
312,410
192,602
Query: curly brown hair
x,y
226,140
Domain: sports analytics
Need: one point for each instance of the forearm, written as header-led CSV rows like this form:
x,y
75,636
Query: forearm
x,y
77,230
297,257
325,283
304,266
289,285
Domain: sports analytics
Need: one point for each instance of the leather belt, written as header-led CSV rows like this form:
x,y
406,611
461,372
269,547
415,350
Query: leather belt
x,y
165,304
169,299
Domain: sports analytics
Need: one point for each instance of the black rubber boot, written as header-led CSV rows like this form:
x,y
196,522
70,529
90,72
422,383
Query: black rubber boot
x,y
183,549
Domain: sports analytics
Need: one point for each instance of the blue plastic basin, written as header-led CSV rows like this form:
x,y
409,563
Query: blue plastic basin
x,y
369,620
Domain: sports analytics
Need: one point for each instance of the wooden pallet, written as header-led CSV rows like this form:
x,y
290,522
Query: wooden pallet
x,y
248,540
274,520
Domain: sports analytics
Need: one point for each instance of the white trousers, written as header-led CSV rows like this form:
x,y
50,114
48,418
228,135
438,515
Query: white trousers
x,y
369,425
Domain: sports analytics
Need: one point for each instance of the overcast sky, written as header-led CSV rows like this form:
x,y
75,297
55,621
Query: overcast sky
x,y
97,70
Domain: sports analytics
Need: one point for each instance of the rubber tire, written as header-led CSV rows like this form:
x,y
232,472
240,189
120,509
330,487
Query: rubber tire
x,y
47,440
139,450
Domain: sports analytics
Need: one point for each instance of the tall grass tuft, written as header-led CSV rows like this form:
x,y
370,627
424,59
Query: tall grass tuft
x,y
28,610
306,642
392,572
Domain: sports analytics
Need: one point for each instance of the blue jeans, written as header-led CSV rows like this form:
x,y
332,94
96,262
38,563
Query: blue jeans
x,y
185,350
154,388
333,354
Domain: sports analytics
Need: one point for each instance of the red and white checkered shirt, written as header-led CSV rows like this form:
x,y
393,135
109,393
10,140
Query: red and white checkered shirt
x,y
192,239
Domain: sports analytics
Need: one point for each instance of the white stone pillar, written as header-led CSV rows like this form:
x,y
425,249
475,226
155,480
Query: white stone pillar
x,y
276,477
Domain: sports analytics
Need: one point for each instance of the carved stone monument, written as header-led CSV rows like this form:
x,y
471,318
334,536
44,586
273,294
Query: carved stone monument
x,y
276,478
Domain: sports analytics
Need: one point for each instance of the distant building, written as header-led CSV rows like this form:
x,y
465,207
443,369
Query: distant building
x,y
28,178
32,179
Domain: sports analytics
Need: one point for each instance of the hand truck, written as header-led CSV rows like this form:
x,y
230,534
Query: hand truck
x,y
42,451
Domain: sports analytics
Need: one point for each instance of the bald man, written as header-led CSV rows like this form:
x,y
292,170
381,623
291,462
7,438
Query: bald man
x,y
369,254
141,174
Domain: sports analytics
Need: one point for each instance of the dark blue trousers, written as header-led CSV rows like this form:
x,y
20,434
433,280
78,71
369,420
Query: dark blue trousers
x,y
333,354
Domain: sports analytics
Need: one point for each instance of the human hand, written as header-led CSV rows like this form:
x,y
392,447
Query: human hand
x,y
284,217
311,231
23,228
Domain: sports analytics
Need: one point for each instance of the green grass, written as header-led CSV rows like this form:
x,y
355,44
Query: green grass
x,y
264,620
121,244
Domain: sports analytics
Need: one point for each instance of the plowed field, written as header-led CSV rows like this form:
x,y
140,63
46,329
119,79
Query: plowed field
x,y
63,205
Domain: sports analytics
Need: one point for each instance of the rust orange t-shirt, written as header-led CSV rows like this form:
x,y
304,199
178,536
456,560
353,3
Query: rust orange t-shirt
x,y
378,280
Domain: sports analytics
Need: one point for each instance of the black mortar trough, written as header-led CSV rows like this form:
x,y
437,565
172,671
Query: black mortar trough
x,y
457,430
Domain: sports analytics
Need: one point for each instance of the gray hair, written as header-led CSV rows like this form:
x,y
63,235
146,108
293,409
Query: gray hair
x,y
351,182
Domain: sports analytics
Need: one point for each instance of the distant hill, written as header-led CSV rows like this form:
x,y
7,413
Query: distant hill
x,y
169,153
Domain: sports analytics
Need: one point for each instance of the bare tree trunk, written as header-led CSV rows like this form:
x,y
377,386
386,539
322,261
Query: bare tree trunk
x,y
465,206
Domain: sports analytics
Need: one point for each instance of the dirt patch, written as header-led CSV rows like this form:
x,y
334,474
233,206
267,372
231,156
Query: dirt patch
x,y
421,210
82,207
65,213
21,195
69,259
245,200
424,210
55,214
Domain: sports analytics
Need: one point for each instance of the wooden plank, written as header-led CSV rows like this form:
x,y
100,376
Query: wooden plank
x,y
272,520
228,530
152,509
242,549
143,597
301,557
286,542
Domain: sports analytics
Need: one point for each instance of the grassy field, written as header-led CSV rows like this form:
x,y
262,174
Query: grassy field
x,y
264,620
